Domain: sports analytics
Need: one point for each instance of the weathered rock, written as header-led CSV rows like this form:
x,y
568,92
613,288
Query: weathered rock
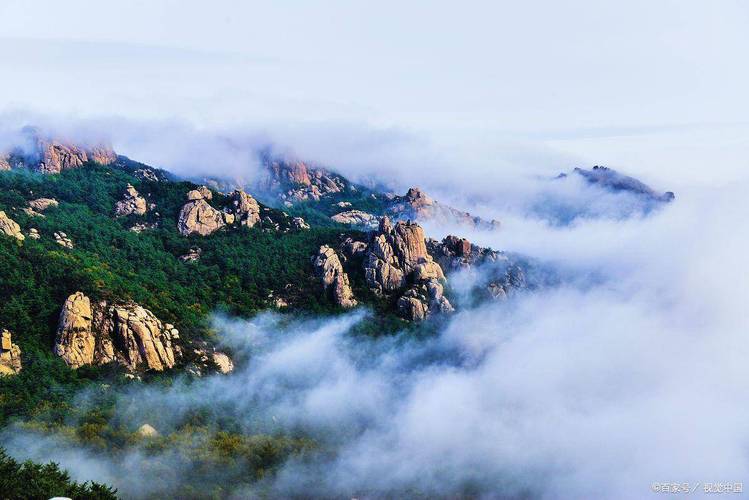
x,y
9,227
147,431
63,240
197,216
296,181
127,334
139,227
132,203
4,162
42,204
299,224
10,355
75,342
51,156
246,208
356,218
223,362
334,279
192,255
34,233
417,206
397,255
500,275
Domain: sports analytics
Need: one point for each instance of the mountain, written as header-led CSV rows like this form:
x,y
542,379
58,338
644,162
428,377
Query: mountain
x,y
113,270
612,180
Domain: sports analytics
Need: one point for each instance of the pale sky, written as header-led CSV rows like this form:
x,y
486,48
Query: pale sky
x,y
657,88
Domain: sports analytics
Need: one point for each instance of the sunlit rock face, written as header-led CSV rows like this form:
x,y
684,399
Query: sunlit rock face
x,y
9,227
396,262
334,279
197,216
128,334
10,354
295,181
132,203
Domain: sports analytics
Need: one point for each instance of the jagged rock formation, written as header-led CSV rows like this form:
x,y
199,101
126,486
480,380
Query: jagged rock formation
x,y
299,224
356,218
417,206
101,333
4,163
63,240
397,257
246,209
334,279
612,180
501,276
296,181
42,204
51,156
131,203
10,355
197,216
10,228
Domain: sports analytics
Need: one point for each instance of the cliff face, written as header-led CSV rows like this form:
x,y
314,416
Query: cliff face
x,y
9,227
50,155
334,279
295,181
100,333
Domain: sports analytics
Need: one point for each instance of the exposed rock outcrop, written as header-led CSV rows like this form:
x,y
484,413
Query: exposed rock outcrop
x,y
42,204
296,181
10,355
500,275
246,209
192,255
49,155
417,206
334,279
299,224
197,216
9,227
396,259
223,362
356,218
147,431
63,240
4,163
132,203
99,333
34,233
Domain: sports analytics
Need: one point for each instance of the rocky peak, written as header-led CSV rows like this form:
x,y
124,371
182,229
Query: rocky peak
x,y
99,333
334,279
51,155
10,228
132,203
396,259
356,218
296,181
418,206
10,355
197,216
